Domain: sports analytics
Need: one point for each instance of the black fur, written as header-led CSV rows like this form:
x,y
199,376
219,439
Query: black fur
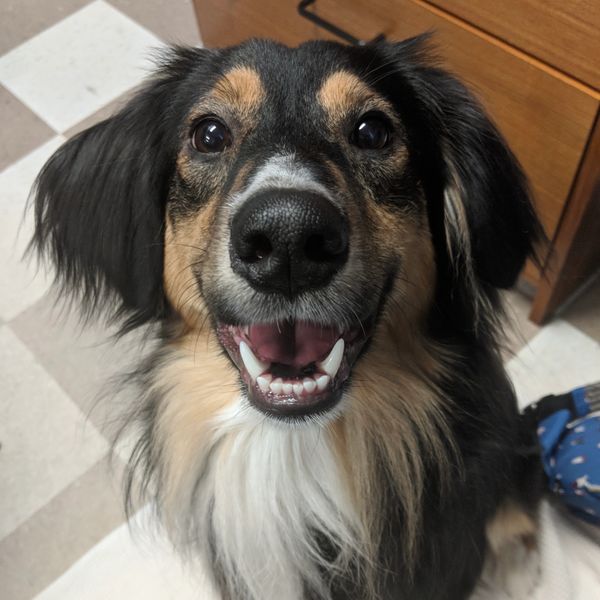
x,y
100,199
100,207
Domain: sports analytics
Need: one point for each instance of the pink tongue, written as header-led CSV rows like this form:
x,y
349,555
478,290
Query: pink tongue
x,y
293,344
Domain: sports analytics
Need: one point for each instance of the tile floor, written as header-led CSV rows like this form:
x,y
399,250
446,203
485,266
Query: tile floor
x,y
65,64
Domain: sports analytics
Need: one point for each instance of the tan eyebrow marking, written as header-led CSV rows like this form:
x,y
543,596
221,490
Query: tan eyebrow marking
x,y
241,88
343,91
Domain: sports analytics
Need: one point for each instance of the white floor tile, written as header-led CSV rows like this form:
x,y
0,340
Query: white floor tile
x,y
72,69
119,568
46,443
23,284
556,360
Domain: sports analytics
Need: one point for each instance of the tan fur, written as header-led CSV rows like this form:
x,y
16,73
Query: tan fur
x,y
199,382
395,409
241,89
238,93
510,524
343,91
186,247
458,239
513,561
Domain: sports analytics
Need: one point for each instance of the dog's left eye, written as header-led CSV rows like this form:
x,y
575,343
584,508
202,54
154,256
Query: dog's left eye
x,y
372,132
211,135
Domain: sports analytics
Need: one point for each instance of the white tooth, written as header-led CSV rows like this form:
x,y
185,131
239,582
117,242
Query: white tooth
x,y
276,385
310,385
254,366
332,363
263,381
298,388
287,388
322,382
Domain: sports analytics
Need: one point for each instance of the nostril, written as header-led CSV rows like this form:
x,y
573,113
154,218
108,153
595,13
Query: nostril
x,y
258,246
324,248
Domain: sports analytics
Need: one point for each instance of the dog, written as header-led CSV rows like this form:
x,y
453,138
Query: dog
x,y
319,235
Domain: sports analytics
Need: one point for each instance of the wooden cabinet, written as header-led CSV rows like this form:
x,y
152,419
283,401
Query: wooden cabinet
x,y
562,33
535,64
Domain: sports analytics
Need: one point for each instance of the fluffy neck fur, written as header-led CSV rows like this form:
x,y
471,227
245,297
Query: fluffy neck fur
x,y
282,510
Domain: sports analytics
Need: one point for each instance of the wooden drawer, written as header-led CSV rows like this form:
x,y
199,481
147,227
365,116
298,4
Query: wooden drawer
x,y
573,28
228,22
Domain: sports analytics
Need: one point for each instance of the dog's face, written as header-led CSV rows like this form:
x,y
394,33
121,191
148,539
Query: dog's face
x,y
334,222
289,198
293,208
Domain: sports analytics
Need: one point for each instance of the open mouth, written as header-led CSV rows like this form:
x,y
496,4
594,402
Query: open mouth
x,y
294,368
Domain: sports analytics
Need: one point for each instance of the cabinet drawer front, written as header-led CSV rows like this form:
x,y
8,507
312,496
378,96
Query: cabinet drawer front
x,y
228,22
562,33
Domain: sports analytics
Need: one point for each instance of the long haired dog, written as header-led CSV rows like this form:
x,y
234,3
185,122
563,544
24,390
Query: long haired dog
x,y
320,233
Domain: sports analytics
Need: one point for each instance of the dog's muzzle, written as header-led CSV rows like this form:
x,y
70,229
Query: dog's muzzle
x,y
287,243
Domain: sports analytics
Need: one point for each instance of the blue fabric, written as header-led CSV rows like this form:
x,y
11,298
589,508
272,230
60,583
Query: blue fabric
x,y
571,456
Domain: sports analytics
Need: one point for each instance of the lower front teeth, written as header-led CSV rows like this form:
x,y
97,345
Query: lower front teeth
x,y
277,386
307,386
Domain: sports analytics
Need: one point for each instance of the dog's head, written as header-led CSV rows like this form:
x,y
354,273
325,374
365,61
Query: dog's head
x,y
295,201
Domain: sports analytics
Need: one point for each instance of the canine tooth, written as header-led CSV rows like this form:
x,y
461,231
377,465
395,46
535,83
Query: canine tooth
x,y
310,385
298,388
322,382
276,386
263,382
287,388
254,366
332,363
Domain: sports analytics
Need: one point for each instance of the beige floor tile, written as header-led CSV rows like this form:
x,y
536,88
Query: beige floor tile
x,y
173,21
584,311
74,68
23,282
48,543
518,328
82,358
22,19
122,567
46,444
106,111
22,130
559,358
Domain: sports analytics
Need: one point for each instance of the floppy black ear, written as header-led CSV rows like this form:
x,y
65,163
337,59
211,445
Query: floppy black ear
x,y
489,221
489,216
99,201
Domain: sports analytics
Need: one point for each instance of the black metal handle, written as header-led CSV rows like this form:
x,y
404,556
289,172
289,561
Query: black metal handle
x,y
331,27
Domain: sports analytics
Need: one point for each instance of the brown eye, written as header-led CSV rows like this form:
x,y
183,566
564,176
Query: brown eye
x,y
211,135
372,132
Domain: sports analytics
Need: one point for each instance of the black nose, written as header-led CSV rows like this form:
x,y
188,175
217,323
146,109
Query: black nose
x,y
288,241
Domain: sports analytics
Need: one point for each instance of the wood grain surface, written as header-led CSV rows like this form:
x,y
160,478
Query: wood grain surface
x,y
563,33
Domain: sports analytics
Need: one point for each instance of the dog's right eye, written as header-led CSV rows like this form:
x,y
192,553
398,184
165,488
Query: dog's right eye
x,y
211,135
